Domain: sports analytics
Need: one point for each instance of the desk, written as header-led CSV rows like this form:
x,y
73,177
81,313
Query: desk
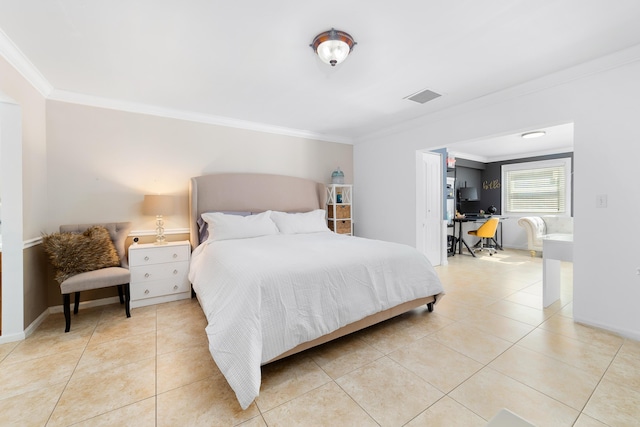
x,y
554,250
461,241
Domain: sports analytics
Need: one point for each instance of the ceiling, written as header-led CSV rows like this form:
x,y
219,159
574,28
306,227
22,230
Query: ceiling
x,y
556,139
248,63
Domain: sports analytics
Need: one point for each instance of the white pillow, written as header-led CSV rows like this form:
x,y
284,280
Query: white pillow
x,y
225,227
295,223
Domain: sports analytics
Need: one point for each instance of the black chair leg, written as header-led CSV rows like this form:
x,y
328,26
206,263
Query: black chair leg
x,y
66,304
76,303
127,298
120,294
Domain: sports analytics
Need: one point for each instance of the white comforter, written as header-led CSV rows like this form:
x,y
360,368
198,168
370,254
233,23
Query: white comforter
x,y
265,295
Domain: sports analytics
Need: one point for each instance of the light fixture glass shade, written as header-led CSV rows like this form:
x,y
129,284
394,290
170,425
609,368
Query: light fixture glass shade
x,y
534,134
333,52
333,46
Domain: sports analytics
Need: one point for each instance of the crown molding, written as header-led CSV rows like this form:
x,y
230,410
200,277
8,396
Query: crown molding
x,y
152,110
586,69
19,61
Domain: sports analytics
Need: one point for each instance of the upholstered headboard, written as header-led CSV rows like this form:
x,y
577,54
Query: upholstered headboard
x,y
251,192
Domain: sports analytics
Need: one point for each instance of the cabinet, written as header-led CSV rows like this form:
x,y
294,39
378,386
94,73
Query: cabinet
x,y
159,273
340,208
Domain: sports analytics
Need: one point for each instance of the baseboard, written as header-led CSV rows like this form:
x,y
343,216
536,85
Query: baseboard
x,y
34,325
87,304
11,338
625,333
51,310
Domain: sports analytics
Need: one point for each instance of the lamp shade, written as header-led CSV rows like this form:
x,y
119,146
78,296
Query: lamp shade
x,y
156,204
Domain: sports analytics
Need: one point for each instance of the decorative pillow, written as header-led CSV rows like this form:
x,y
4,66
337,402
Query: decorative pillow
x,y
296,223
74,253
224,227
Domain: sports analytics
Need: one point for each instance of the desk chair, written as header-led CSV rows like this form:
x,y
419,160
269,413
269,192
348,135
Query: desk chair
x,y
484,232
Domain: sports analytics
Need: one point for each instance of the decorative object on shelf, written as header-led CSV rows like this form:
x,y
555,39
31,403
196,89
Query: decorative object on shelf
x,y
333,46
451,161
492,210
337,177
158,205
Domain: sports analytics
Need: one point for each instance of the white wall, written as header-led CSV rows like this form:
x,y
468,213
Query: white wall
x,y
604,108
101,162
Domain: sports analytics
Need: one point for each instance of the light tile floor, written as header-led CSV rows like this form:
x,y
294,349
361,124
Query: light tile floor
x,y
488,345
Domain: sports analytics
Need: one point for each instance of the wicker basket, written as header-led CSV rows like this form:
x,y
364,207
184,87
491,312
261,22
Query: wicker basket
x,y
343,227
342,211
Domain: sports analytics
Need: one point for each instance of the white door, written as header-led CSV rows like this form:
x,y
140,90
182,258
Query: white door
x,y
429,200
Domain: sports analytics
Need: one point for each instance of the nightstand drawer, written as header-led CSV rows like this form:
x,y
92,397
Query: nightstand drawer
x,y
162,287
146,273
158,254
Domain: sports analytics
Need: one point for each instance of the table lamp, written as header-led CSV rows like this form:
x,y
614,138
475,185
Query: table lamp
x,y
158,205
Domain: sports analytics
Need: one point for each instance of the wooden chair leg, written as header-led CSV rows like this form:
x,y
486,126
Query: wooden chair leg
x,y
127,299
76,303
120,294
66,304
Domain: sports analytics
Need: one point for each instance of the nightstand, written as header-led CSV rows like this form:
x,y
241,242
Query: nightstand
x,y
159,272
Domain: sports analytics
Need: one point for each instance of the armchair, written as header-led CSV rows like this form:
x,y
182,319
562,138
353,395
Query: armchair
x,y
539,227
101,278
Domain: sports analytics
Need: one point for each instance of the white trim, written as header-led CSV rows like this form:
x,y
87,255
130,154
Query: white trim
x,y
21,63
31,242
140,233
502,158
154,110
88,304
624,332
4,338
34,325
564,162
580,71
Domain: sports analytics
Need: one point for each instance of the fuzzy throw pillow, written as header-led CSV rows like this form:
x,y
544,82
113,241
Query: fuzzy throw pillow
x,y
74,253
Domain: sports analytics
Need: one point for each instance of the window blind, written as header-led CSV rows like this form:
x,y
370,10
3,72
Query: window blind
x,y
539,190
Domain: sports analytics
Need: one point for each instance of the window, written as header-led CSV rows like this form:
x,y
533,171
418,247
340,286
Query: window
x,y
537,187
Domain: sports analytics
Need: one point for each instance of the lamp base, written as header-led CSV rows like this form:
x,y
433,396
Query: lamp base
x,y
160,239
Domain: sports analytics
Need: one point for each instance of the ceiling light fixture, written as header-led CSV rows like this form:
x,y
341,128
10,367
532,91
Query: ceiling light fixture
x,y
534,134
333,46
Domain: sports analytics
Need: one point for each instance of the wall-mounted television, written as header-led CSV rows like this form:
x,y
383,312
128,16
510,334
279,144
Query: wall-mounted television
x,y
468,194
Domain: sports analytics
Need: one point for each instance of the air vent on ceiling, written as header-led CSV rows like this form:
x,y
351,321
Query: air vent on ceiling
x,y
423,96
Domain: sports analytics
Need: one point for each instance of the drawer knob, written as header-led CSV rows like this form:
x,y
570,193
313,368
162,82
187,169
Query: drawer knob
x,y
146,291
175,271
146,258
175,255
146,274
175,287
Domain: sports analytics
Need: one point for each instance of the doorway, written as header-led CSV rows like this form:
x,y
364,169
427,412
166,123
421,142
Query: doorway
x,y
12,289
495,150
429,210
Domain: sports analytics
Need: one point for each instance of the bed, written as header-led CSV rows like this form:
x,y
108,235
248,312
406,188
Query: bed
x,y
272,280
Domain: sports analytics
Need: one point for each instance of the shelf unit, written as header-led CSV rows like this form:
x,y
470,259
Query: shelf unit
x,y
340,208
